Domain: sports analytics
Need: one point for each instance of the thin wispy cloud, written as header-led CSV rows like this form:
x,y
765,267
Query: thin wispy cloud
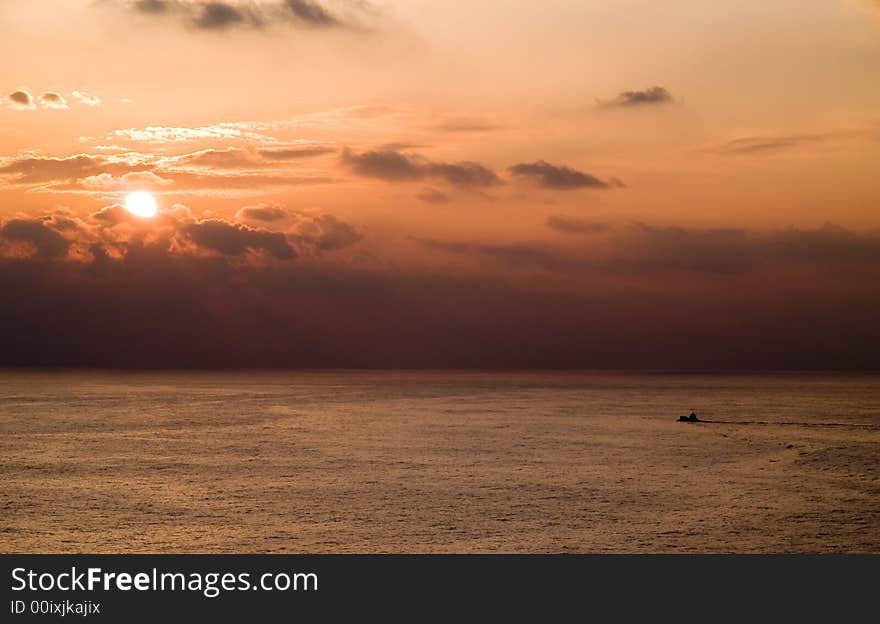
x,y
179,134
233,170
772,144
464,125
86,98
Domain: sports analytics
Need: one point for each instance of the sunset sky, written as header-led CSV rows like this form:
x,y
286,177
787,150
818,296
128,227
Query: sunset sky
x,y
568,183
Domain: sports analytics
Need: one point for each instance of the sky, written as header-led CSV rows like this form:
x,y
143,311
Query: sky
x,y
407,183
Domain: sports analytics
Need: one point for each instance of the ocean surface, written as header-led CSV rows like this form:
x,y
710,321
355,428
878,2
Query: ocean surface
x,y
437,462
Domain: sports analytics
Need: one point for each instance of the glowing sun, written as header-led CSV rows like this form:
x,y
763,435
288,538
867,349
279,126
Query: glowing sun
x,y
141,204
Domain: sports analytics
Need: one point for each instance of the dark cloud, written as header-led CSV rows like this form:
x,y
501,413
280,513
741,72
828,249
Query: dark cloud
x,y
806,300
294,153
234,239
558,176
514,256
642,249
226,15
394,166
219,15
433,196
311,13
571,225
262,212
152,6
21,99
648,97
324,232
321,232
113,231
830,244
387,165
463,174
47,241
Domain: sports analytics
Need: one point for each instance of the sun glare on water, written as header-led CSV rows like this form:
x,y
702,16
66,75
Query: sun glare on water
x,y
141,204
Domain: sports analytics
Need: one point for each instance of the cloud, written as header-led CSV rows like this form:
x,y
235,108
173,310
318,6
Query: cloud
x,y
716,250
152,6
652,96
203,171
643,249
311,13
37,169
113,215
325,232
558,176
47,242
109,182
510,255
394,166
233,239
86,98
262,213
321,232
463,174
461,124
229,158
571,225
222,15
234,157
771,144
172,134
433,196
113,232
294,153
80,287
21,100
216,16
251,180
53,100
387,165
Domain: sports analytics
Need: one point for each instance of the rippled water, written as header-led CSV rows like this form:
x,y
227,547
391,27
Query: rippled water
x,y
437,461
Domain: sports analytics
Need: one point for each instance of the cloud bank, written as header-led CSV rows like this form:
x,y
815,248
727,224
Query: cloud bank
x,y
267,290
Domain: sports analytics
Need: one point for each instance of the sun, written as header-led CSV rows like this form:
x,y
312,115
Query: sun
x,y
141,204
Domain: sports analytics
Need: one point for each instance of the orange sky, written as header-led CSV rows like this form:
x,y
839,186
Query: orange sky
x,y
591,144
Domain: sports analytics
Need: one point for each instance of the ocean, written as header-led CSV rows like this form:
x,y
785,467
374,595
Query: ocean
x,y
402,462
